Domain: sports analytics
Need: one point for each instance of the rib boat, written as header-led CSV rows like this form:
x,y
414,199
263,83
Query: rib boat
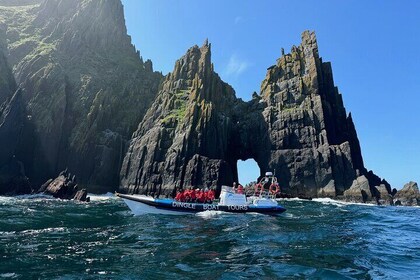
x,y
230,201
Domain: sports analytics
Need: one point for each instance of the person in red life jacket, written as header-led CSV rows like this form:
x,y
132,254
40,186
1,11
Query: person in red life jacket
x,y
258,189
274,188
205,193
182,196
178,195
201,197
187,195
240,189
210,196
193,195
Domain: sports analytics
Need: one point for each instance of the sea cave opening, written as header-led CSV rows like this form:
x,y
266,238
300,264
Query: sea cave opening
x,y
248,171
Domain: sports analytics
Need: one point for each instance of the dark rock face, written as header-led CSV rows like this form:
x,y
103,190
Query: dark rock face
x,y
196,129
83,84
13,180
7,80
12,121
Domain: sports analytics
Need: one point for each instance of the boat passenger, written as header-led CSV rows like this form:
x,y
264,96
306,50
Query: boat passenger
x,y
258,189
187,195
193,195
178,195
182,198
201,197
234,187
240,189
210,196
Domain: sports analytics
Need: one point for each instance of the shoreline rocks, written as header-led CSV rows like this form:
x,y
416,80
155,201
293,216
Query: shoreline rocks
x,y
361,191
409,195
64,187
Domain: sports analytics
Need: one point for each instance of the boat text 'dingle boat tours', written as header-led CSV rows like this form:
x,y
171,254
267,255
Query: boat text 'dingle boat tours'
x,y
231,200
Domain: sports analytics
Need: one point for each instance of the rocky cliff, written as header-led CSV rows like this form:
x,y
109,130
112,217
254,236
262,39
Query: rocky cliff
x,y
84,86
197,130
74,91
314,146
183,138
12,122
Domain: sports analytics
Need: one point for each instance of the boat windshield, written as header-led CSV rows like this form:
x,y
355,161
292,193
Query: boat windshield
x,y
228,189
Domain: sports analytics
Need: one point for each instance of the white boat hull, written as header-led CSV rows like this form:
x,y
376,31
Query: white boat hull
x,y
140,204
139,208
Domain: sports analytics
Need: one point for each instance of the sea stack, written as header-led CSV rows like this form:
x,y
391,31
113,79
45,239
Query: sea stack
x,y
197,130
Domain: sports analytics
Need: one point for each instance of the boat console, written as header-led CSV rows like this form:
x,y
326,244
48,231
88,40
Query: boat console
x,y
229,197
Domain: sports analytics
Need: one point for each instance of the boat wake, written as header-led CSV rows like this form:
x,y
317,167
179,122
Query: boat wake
x,y
340,203
291,199
209,214
101,197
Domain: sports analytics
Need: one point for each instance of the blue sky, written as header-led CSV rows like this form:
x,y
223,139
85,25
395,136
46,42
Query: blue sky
x,y
374,47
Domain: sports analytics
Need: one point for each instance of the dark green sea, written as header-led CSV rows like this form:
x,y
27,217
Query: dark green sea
x,y
43,238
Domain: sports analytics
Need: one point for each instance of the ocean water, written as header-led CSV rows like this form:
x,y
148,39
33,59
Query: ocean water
x,y
43,238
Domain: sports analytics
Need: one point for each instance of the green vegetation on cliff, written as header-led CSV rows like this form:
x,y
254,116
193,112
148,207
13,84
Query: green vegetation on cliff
x,y
85,86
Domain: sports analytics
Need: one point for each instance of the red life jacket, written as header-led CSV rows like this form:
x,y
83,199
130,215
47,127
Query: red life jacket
x,y
202,197
210,195
182,197
187,194
193,194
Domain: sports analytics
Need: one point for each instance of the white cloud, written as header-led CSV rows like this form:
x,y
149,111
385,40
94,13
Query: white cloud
x,y
236,66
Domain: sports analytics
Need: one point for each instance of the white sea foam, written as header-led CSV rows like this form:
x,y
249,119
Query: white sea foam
x,y
101,197
291,199
339,203
44,230
289,215
210,214
26,197
5,199
325,200
9,275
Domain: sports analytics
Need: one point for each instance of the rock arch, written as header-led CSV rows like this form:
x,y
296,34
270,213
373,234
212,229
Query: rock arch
x,y
196,130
